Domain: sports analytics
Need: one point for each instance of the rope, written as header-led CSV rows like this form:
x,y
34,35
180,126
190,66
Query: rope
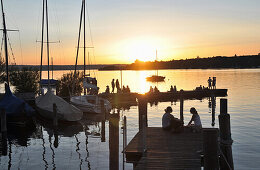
x,y
9,42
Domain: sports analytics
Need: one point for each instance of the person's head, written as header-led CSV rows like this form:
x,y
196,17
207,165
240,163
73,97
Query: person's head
x,y
193,111
168,109
113,79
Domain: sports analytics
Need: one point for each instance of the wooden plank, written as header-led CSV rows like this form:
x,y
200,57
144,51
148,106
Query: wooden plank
x,y
166,150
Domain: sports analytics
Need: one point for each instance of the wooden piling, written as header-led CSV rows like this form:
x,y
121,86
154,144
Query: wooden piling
x,y
114,141
181,109
103,131
210,149
3,121
226,161
3,133
213,107
55,115
142,110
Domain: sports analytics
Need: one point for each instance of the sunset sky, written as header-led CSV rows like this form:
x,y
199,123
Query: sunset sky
x,y
124,31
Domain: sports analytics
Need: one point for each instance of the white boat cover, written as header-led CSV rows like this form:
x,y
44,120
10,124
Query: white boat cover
x,y
66,111
89,85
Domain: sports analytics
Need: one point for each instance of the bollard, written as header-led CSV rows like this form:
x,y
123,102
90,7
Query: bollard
x,y
142,109
55,115
210,149
226,161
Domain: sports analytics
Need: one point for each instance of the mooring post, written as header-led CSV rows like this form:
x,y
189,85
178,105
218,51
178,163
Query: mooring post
x,y
103,131
3,121
181,109
55,115
142,109
226,161
210,149
213,107
3,132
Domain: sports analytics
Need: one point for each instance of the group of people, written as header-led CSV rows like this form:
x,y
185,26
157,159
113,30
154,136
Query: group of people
x,y
115,84
212,83
153,90
175,125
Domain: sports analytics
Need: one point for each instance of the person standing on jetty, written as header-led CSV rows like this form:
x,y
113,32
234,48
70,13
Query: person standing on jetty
x,y
169,122
209,82
113,85
214,83
118,86
197,126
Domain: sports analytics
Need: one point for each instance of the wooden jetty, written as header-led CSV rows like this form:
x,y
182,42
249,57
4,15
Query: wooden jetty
x,y
154,148
131,98
166,150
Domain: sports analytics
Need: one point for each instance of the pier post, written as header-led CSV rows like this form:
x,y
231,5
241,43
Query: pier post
x,y
114,141
226,161
103,131
210,149
3,121
142,109
3,132
181,109
55,115
213,109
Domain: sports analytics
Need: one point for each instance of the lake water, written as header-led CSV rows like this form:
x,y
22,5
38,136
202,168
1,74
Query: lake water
x,y
82,146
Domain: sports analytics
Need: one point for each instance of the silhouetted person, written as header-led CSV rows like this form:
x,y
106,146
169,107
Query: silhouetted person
x,y
151,89
209,82
214,83
156,90
169,122
175,89
107,90
128,89
113,85
171,89
118,86
197,126
124,89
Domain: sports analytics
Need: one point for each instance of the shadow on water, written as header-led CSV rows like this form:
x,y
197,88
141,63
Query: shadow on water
x,y
50,137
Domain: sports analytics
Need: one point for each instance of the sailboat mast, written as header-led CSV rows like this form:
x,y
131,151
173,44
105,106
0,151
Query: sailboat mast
x,y
84,23
156,64
5,42
77,55
43,13
48,50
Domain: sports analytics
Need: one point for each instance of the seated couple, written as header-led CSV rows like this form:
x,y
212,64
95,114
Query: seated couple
x,y
169,122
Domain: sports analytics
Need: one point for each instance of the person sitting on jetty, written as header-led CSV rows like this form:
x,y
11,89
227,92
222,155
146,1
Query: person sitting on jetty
x,y
151,89
107,90
128,89
156,90
169,122
123,89
196,127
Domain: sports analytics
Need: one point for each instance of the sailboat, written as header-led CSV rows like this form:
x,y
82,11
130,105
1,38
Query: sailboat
x,y
155,78
16,109
91,102
44,102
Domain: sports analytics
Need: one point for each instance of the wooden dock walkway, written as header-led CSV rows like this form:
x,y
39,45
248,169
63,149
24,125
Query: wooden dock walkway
x,y
165,150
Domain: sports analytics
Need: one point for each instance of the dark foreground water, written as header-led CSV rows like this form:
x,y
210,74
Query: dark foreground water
x,y
97,142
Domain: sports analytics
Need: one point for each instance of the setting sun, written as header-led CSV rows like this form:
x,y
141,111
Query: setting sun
x,y
143,49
